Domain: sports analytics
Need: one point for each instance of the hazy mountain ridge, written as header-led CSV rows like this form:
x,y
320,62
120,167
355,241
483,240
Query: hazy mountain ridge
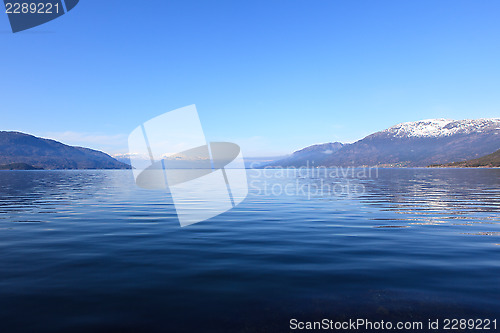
x,y
17,147
312,155
412,144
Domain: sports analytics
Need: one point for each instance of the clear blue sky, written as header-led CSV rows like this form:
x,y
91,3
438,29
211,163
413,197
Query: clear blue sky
x,y
271,75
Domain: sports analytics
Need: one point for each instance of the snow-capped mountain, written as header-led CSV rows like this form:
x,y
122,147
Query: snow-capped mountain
x,y
442,127
419,143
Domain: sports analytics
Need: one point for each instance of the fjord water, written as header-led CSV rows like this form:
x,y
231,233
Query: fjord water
x,y
88,251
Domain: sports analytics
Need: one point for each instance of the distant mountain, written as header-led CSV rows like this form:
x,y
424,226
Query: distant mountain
x,y
309,156
257,162
20,148
420,143
488,161
124,158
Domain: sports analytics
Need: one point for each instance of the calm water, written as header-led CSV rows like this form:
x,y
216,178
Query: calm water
x,y
88,251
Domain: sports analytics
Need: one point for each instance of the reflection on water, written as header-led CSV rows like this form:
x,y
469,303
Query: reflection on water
x,y
433,196
102,255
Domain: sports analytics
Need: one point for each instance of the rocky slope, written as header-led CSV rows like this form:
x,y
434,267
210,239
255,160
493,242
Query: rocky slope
x,y
488,161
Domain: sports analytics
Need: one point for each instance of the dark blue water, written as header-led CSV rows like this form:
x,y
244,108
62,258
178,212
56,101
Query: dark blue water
x,y
88,251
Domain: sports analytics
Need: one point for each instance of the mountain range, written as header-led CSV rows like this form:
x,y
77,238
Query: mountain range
x,y
412,144
436,142
24,151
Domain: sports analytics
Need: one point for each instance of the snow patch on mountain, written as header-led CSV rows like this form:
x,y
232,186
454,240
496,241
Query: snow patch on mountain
x,y
443,127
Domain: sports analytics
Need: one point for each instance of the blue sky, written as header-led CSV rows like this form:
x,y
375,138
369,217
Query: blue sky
x,y
271,75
